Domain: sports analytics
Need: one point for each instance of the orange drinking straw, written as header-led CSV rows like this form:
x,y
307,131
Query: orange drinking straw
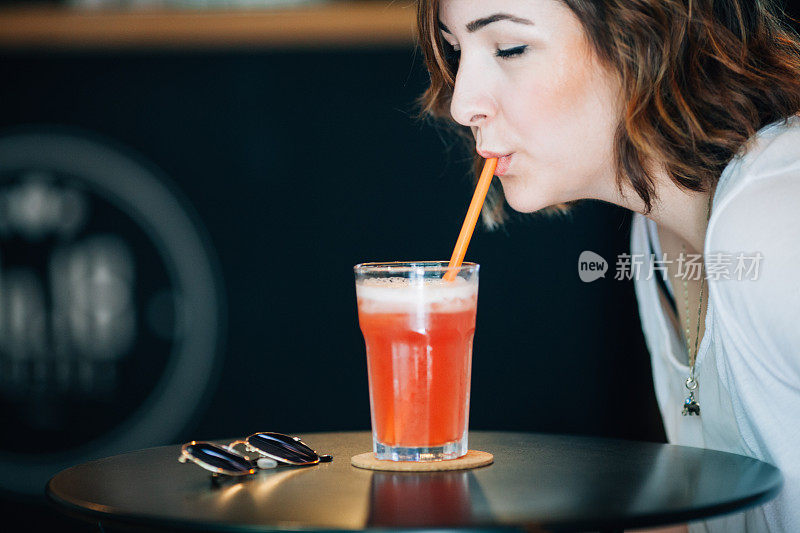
x,y
472,218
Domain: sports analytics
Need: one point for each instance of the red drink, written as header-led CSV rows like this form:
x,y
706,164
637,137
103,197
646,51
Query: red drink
x,y
419,370
418,335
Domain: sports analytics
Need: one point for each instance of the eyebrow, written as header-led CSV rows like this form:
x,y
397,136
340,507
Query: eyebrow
x,y
477,24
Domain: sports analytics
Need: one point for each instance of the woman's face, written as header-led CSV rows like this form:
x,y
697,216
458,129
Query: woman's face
x,y
529,85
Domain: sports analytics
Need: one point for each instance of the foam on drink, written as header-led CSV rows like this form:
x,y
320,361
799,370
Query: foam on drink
x,y
397,294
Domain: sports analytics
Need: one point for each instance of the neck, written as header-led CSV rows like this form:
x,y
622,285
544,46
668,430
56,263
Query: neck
x,y
680,212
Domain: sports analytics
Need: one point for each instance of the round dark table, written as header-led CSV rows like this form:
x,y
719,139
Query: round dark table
x,y
537,481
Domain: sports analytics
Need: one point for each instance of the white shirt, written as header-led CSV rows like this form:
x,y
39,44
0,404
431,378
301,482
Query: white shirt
x,y
748,364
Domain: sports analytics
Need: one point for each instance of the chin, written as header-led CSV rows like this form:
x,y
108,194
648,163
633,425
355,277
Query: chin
x,y
526,197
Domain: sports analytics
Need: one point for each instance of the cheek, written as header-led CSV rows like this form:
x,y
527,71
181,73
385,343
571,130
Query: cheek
x,y
563,103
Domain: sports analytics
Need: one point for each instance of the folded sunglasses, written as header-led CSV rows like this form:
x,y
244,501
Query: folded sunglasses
x,y
272,448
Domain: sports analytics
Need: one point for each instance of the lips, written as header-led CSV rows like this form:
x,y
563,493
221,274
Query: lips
x,y
503,160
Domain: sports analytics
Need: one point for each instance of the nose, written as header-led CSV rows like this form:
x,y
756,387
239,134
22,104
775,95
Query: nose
x,y
472,103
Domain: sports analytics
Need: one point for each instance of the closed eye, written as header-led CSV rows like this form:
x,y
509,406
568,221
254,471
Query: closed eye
x,y
511,52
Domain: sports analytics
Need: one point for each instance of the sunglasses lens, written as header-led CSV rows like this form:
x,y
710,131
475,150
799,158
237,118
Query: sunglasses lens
x,y
283,447
219,457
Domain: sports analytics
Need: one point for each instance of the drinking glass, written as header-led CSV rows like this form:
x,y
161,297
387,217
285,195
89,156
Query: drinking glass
x,y
418,330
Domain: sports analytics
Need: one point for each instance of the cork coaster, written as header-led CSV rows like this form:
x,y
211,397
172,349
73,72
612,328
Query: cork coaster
x,y
473,459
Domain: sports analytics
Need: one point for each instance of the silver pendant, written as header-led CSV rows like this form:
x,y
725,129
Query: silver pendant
x,y
690,405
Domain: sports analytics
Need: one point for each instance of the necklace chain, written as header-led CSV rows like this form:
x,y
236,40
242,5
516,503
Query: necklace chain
x,y
692,353
690,405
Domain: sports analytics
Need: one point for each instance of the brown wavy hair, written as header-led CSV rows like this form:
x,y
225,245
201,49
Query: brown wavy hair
x,y
699,78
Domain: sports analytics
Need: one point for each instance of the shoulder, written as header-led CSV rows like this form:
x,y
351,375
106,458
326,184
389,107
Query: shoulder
x,y
755,224
759,190
773,151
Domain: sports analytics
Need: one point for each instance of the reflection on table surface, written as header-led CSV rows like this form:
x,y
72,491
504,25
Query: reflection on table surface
x,y
408,499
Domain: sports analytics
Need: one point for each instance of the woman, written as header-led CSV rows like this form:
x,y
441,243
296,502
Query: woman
x,y
682,111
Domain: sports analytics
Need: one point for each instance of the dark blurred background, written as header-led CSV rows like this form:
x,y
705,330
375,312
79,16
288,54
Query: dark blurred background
x,y
180,209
